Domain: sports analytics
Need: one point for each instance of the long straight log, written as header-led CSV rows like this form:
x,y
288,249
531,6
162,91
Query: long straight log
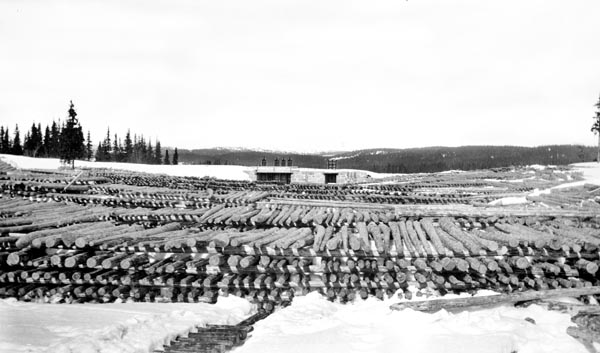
x,y
363,236
422,238
326,237
319,234
251,237
25,240
376,235
30,237
448,225
449,242
461,303
120,238
406,239
414,238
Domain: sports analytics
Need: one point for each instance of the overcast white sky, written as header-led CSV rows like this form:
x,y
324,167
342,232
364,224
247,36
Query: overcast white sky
x,y
307,75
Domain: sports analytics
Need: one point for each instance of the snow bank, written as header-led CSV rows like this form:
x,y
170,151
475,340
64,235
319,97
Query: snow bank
x,y
107,328
506,201
590,170
591,175
232,172
313,324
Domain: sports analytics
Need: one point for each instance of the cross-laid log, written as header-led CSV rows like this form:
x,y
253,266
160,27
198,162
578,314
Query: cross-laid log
x,y
335,241
302,234
363,234
83,240
414,238
376,235
497,236
279,234
422,238
461,303
251,236
326,237
448,225
450,243
26,239
427,225
406,239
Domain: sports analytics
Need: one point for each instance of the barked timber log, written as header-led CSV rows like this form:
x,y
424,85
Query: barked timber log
x,y
105,236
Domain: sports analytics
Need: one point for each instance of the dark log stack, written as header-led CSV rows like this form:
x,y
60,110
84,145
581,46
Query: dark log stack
x,y
162,238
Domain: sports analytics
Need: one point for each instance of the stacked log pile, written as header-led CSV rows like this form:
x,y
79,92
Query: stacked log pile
x,y
6,168
270,253
106,236
130,189
584,197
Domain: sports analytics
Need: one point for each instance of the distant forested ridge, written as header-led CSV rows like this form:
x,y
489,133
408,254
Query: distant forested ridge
x,y
66,140
413,160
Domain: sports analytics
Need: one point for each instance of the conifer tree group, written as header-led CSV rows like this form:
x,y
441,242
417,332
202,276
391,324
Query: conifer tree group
x,y
136,150
596,127
65,140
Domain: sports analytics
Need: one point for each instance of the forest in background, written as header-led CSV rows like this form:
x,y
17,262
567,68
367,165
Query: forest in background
x,y
412,160
65,140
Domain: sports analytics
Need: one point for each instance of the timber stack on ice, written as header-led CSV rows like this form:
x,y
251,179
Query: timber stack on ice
x,y
113,235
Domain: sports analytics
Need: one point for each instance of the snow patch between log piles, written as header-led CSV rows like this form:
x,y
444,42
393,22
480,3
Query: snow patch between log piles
x,y
313,324
108,328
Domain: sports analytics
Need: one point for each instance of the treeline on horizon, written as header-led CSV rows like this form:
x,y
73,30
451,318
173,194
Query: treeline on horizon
x,y
136,150
437,159
414,160
65,140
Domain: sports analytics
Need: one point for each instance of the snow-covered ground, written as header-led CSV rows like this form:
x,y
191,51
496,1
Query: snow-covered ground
x,y
313,324
591,175
310,324
591,171
231,172
107,328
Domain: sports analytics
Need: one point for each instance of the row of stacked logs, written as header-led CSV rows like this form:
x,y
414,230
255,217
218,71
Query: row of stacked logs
x,y
344,254
410,191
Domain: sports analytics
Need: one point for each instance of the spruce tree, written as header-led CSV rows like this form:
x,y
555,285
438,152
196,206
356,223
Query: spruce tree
x,y
27,144
54,150
167,159
149,153
596,127
157,153
16,145
128,148
72,142
116,150
175,157
2,148
40,151
141,149
33,141
47,142
6,141
106,147
88,147
99,153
